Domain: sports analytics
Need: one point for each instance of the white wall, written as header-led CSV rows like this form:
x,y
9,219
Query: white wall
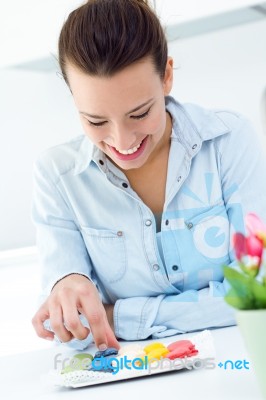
x,y
224,69
36,112
220,69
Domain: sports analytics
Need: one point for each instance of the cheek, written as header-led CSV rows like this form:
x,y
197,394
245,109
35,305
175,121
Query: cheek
x,y
94,134
157,123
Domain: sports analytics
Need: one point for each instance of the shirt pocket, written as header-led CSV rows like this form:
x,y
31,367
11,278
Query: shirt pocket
x,y
210,231
107,251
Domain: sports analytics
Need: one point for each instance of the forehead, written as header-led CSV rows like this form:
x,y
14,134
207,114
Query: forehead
x,y
135,83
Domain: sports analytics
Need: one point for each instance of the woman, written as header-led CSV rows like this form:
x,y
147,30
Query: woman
x,y
134,219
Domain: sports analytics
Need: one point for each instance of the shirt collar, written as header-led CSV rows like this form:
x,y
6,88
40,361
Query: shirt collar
x,y
87,153
193,124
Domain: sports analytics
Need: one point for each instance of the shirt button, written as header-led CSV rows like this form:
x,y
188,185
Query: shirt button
x,y
119,233
167,222
156,267
179,178
175,267
194,146
148,222
125,185
101,162
190,225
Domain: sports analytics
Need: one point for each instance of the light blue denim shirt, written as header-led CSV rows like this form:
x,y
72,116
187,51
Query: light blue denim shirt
x,y
90,221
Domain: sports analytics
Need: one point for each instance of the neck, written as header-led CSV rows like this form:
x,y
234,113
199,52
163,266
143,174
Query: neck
x,y
163,146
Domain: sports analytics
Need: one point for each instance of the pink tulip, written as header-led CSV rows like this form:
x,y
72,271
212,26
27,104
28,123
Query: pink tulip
x,y
256,227
254,247
240,245
249,251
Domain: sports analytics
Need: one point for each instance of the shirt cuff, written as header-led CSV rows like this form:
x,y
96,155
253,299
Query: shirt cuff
x,y
71,273
134,317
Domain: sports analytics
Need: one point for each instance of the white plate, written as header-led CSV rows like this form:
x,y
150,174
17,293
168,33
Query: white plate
x,y
203,342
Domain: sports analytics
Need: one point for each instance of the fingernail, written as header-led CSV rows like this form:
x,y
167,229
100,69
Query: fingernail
x,y
49,338
102,347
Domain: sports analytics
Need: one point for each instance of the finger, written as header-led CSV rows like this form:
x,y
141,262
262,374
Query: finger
x,y
57,324
38,320
72,320
93,310
111,339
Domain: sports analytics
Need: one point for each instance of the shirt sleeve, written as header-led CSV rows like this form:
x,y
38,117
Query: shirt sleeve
x,y
242,171
140,317
59,242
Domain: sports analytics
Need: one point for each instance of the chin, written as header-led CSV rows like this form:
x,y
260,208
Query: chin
x,y
129,165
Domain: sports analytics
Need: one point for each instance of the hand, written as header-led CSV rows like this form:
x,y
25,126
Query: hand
x,y
109,309
71,295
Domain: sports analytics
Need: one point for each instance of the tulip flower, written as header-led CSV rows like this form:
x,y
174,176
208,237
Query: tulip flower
x,y
249,251
240,245
248,286
256,227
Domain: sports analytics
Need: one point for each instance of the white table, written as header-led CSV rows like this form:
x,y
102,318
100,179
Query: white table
x,y
23,377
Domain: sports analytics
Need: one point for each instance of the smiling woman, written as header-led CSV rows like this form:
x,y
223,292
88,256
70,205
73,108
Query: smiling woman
x,y
134,218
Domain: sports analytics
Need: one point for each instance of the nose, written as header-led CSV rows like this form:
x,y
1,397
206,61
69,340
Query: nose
x,y
122,137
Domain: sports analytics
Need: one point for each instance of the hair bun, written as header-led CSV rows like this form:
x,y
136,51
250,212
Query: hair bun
x,y
102,37
144,1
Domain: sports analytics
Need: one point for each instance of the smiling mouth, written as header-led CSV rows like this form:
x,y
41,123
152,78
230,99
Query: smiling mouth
x,y
130,154
130,151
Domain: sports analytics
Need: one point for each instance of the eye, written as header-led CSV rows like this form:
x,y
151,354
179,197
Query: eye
x,y
142,115
96,124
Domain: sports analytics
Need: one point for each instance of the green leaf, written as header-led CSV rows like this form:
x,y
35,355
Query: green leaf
x,y
234,300
239,282
259,291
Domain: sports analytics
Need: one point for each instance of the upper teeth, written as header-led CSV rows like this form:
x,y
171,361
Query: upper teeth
x,y
129,151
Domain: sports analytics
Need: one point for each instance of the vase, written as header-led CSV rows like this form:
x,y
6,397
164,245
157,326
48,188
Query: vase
x,y
252,325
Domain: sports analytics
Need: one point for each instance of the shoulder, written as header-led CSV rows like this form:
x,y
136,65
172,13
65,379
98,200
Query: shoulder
x,y
221,125
241,136
62,158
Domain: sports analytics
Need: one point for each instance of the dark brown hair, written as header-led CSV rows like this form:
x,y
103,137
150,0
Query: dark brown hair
x,y
101,37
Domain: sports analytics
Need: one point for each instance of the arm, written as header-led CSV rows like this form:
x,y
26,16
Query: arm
x,y
66,270
59,242
242,173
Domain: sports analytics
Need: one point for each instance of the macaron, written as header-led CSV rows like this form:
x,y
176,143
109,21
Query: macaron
x,y
98,364
79,362
158,353
135,350
153,346
110,351
181,349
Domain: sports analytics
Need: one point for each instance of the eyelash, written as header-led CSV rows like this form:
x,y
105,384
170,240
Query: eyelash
x,y
142,115
138,117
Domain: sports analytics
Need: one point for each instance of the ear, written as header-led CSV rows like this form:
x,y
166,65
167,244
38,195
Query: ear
x,y
168,76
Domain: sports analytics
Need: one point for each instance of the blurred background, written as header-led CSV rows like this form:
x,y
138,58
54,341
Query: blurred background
x,y
219,51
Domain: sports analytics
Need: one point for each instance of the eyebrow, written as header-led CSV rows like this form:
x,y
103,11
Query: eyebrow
x,y
129,112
